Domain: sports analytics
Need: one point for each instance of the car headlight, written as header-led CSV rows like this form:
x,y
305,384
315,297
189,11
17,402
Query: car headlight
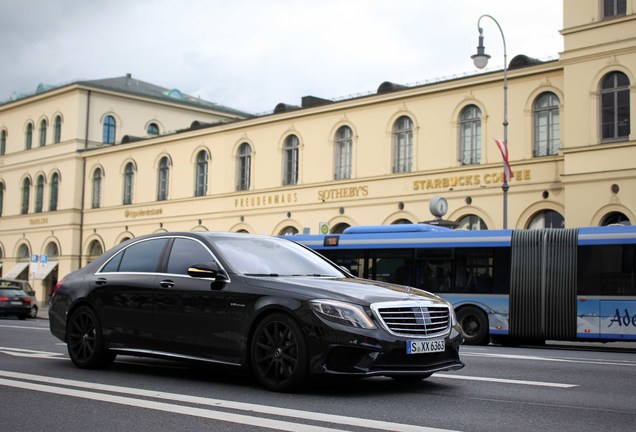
x,y
342,313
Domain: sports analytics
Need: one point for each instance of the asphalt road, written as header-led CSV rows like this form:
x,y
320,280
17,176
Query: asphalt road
x,y
575,387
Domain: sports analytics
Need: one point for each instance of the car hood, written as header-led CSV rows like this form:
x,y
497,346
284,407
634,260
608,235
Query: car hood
x,y
354,290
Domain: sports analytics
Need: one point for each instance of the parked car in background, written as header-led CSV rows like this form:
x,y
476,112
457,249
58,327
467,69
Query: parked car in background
x,y
265,304
28,291
13,301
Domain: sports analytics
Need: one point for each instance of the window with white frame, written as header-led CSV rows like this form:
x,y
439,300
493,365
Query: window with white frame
x,y
129,179
201,186
546,125
614,8
97,188
55,190
291,149
243,167
615,109
39,194
403,145
163,179
470,135
344,148
43,126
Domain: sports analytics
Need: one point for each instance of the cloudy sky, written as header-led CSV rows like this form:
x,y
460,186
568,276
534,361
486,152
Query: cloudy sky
x,y
252,54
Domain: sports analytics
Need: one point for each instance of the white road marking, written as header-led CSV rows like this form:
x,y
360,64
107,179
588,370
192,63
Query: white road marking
x,y
24,383
20,352
504,381
24,327
553,359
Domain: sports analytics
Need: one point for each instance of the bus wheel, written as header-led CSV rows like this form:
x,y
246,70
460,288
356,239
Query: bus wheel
x,y
474,323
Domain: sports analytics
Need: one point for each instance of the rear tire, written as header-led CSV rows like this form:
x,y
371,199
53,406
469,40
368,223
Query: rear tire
x,y
474,323
278,353
34,312
85,341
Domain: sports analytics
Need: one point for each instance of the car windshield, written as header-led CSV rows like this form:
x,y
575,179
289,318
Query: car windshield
x,y
273,257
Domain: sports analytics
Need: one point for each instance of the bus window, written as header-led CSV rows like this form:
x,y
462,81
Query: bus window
x,y
351,260
607,270
395,266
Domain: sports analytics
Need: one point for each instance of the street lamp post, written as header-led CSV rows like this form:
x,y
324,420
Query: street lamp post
x,y
481,60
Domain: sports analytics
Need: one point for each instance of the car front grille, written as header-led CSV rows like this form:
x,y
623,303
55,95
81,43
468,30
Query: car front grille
x,y
414,319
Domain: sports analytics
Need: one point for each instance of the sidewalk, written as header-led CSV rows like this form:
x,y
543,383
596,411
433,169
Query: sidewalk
x,y
43,312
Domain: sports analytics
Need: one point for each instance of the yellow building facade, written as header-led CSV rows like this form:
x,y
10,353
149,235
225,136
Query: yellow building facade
x,y
377,159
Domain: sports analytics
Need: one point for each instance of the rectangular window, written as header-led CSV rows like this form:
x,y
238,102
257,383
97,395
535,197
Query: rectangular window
x,y
607,270
614,8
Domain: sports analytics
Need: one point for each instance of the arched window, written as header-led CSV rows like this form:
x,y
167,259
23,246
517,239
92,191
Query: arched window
x,y
26,192
289,230
615,218
344,148
95,249
546,125
57,135
129,178
290,176
163,178
109,130
39,194
55,189
43,126
615,110
401,222
24,253
28,144
470,135
97,188
201,187
244,167
403,145
547,219
472,222
52,249
3,142
339,228
153,129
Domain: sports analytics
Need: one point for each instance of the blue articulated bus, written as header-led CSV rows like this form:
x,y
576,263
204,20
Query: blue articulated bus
x,y
510,286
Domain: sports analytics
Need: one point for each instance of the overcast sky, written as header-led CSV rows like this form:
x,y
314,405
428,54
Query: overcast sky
x,y
253,54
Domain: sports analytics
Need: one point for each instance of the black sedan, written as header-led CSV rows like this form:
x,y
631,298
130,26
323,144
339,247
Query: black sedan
x,y
266,304
14,301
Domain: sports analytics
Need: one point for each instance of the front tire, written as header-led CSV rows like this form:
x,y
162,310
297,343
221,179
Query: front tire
x,y
85,341
279,354
474,324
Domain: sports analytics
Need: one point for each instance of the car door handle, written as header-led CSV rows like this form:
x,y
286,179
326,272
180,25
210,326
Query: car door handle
x,y
101,281
166,284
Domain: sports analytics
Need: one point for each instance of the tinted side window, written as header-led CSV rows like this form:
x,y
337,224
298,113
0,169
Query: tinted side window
x,y
607,270
184,253
143,257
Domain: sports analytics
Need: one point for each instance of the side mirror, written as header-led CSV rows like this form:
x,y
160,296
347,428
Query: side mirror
x,y
209,270
31,293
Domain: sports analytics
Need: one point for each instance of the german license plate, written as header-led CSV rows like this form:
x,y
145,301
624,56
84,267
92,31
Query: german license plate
x,y
428,346
16,302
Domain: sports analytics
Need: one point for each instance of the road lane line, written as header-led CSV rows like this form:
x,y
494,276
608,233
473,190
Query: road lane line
x,y
21,352
24,327
218,403
553,359
504,381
